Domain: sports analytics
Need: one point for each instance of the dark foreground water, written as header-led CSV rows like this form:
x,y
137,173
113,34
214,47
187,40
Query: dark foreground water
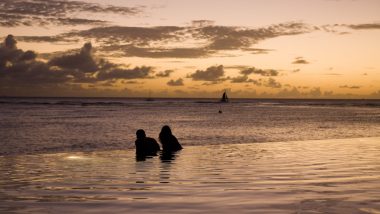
x,y
49,125
326,176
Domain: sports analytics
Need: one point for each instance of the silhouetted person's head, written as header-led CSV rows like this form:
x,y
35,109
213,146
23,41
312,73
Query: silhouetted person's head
x,y
168,140
140,134
165,131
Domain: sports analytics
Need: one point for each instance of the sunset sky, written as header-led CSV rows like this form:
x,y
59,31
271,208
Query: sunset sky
x,y
174,48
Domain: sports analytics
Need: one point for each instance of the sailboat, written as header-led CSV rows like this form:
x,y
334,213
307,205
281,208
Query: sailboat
x,y
224,98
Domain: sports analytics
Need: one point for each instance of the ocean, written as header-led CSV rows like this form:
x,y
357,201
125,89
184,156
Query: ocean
x,y
322,176
50,125
76,155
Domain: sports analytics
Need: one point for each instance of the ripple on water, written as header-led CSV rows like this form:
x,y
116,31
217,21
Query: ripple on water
x,y
327,176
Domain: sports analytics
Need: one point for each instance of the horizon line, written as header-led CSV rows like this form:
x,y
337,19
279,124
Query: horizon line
x,y
216,98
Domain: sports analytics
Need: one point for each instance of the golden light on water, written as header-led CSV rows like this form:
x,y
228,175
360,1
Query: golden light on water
x,y
75,157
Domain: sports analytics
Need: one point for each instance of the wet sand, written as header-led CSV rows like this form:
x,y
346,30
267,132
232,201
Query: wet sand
x,y
321,176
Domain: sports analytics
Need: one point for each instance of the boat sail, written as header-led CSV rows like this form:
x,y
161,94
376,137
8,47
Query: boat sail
x,y
224,98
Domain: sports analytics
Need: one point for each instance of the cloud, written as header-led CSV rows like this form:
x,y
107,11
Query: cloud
x,y
178,82
300,60
133,51
253,70
18,67
371,26
258,82
350,86
132,82
375,95
22,71
123,73
114,35
202,23
239,67
165,73
58,12
341,29
295,93
9,54
203,40
240,79
50,39
228,38
315,92
229,43
272,83
215,75
82,61
211,83
10,42
212,74
197,41
245,79
289,93
71,21
257,50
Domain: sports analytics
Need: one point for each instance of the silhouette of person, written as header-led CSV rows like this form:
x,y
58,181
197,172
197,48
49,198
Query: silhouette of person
x,y
168,141
145,145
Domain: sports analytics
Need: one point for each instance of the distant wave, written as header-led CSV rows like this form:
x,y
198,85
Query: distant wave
x,y
335,103
66,103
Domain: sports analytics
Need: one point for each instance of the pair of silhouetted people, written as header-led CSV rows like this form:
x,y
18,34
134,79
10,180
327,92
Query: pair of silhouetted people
x,y
146,146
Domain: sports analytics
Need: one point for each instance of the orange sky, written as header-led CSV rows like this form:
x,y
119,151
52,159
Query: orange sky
x,y
252,48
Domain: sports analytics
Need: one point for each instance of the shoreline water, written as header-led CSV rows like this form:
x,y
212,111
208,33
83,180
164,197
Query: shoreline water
x,y
131,147
325,176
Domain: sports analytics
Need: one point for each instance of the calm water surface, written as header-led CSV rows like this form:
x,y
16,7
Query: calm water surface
x,y
322,176
49,125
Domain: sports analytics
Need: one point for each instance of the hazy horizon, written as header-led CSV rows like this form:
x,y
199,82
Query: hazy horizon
x,y
208,98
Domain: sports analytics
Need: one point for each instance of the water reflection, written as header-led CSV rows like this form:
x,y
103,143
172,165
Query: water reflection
x,y
140,157
144,167
333,176
168,157
167,160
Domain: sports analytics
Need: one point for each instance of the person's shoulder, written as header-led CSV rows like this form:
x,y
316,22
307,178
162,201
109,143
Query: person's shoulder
x,y
149,139
177,142
173,138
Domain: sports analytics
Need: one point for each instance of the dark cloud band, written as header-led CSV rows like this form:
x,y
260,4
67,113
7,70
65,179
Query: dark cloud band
x,y
151,42
58,12
21,69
